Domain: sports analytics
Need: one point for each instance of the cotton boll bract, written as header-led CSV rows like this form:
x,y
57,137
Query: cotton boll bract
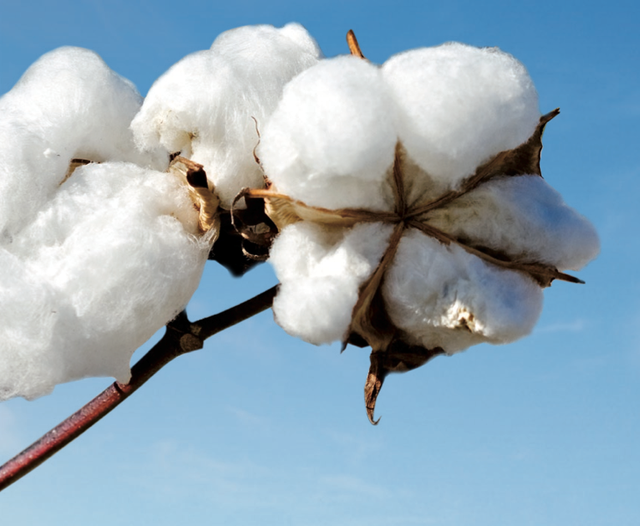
x,y
207,105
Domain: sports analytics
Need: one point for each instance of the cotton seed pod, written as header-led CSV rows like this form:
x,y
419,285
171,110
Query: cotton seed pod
x,y
413,216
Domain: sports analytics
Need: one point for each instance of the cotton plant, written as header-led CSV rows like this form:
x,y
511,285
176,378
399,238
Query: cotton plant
x,y
402,207
412,214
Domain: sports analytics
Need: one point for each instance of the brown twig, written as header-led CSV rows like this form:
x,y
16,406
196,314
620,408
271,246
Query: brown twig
x,y
180,337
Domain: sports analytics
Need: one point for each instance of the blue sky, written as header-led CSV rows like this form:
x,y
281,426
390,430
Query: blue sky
x,y
262,429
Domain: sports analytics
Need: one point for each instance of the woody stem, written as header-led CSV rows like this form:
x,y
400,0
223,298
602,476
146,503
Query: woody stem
x,y
181,337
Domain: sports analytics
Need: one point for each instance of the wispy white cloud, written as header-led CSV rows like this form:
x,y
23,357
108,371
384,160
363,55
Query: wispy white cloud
x,y
359,448
247,417
346,487
310,495
570,326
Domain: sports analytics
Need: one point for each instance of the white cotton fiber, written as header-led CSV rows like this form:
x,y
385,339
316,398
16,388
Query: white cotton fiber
x,y
444,297
102,266
321,271
205,105
331,142
524,218
67,105
458,105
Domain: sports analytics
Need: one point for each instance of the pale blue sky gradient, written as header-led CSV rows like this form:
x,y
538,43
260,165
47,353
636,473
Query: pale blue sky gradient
x,y
259,428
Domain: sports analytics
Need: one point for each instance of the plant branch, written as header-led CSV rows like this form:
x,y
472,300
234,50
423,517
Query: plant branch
x,y
181,337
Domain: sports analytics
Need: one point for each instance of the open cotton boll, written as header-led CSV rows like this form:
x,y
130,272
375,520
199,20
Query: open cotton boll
x,y
457,105
205,105
104,265
321,271
67,105
524,218
331,141
443,297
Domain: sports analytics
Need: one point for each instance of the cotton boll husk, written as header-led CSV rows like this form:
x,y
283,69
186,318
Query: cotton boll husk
x,y
524,218
67,105
457,106
205,105
444,297
331,141
321,271
104,265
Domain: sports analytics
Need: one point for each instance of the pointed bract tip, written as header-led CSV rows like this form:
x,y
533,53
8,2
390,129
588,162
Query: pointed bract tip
x,y
354,47
370,417
549,116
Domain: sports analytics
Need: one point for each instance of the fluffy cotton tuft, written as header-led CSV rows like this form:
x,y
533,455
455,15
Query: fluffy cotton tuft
x,y
444,297
103,265
458,105
329,143
67,105
95,260
209,104
321,271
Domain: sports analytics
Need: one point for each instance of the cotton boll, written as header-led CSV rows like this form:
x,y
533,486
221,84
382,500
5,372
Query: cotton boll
x,y
67,105
524,218
331,142
444,297
205,105
321,272
104,265
457,106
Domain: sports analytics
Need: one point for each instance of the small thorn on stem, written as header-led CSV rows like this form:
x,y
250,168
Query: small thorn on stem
x,y
354,47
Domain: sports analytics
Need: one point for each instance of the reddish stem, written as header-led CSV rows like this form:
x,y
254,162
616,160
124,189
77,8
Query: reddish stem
x,y
180,337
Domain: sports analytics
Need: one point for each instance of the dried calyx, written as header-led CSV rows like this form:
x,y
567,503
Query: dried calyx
x,y
204,198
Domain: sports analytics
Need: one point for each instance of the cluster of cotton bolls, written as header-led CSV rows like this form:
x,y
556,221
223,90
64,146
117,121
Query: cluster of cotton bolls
x,y
351,137
101,245
95,260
